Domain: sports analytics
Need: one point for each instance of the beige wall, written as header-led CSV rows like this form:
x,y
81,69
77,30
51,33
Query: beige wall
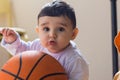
x,y
94,23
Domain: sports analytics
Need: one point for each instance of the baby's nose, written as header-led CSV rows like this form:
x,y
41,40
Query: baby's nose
x,y
53,34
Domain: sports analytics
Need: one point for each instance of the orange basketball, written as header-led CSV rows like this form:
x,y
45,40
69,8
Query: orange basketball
x,y
32,65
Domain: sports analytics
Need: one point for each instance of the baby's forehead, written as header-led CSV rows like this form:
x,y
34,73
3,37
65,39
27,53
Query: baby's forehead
x,y
61,16
55,19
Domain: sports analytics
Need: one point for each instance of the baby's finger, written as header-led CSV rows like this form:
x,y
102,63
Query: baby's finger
x,y
9,32
4,31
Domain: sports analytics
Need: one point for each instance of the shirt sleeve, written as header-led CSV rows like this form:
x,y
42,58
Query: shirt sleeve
x,y
15,47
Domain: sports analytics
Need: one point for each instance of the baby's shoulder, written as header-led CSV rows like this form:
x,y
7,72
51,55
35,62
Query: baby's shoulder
x,y
74,56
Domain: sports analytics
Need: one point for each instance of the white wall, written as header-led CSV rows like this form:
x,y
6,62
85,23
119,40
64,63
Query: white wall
x,y
94,22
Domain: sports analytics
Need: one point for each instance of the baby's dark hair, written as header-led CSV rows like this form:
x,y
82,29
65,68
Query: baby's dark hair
x,y
59,8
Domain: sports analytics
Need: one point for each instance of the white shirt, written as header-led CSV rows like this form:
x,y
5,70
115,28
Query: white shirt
x,y
70,58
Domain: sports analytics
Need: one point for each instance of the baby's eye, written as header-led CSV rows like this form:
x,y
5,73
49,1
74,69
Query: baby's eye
x,y
46,29
61,29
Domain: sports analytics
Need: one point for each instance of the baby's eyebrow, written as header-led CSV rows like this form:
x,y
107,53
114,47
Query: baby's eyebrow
x,y
63,24
45,23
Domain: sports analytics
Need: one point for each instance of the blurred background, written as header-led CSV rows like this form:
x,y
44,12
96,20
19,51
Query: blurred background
x,y
93,20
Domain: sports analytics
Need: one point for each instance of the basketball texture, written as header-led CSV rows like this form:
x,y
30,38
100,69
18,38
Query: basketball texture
x,y
32,65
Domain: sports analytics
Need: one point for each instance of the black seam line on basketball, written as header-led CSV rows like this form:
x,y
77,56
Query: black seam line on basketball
x,y
35,65
52,74
5,71
20,66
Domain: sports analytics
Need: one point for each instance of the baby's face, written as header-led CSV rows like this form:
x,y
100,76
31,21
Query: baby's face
x,y
55,32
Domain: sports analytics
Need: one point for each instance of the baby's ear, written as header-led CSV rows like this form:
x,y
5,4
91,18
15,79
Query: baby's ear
x,y
37,29
75,32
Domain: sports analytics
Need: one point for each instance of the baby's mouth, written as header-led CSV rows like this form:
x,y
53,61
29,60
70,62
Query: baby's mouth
x,y
52,42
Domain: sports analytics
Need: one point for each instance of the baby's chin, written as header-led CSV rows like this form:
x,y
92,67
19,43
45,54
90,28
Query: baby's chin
x,y
53,51
56,51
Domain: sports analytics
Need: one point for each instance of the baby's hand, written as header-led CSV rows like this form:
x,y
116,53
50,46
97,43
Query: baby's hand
x,y
117,42
9,35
